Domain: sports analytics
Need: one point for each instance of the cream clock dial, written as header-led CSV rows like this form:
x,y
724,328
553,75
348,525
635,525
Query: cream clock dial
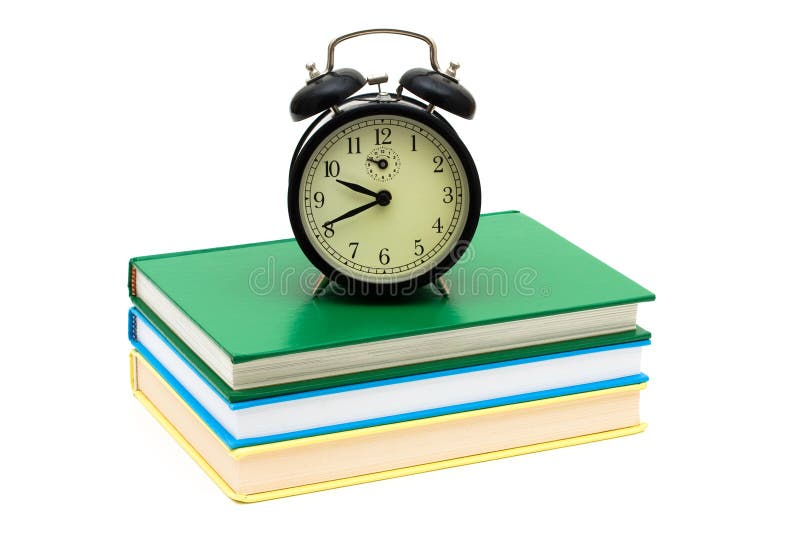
x,y
375,218
383,194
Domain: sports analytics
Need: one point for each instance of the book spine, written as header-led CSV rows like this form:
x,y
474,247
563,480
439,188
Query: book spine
x,y
134,370
132,326
131,280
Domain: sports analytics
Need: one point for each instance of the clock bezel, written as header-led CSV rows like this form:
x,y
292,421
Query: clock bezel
x,y
407,108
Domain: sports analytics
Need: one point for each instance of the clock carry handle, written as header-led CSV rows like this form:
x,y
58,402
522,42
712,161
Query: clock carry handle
x,y
427,40
332,87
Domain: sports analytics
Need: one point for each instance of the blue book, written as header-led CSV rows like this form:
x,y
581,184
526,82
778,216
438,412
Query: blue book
x,y
335,409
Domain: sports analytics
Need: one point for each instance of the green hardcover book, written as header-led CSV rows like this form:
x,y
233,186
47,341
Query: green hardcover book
x,y
245,317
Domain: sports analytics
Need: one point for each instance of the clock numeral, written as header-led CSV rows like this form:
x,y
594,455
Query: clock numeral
x,y
438,225
351,145
332,169
413,143
383,256
382,136
328,230
319,198
448,195
438,161
354,244
419,250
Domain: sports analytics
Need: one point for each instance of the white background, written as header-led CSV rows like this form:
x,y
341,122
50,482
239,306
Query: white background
x,y
663,137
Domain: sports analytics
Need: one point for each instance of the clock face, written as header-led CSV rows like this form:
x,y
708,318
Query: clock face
x,y
384,199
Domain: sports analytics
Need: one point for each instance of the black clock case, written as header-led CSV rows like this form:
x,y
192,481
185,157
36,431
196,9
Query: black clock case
x,y
357,108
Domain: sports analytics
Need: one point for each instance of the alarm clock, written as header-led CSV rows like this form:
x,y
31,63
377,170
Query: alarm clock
x,y
384,196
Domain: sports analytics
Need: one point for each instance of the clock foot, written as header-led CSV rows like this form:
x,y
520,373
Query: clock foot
x,y
442,286
320,284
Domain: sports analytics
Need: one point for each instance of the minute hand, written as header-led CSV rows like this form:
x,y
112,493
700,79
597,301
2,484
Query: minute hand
x,y
359,188
351,213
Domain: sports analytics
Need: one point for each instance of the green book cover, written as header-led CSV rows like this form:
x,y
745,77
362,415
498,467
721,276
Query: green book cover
x,y
254,300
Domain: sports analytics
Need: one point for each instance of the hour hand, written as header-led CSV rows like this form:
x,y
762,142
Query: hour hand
x,y
358,188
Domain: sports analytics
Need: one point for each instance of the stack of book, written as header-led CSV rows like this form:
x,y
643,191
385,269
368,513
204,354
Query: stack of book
x,y
274,392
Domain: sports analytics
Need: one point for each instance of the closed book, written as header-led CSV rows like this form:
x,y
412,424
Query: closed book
x,y
247,312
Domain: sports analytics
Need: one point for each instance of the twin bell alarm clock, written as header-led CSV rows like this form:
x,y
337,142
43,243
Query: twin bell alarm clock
x,y
383,194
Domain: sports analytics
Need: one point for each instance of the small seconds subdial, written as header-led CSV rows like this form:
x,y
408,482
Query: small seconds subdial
x,y
382,164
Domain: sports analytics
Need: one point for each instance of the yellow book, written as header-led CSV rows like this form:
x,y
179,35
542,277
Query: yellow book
x,y
305,465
